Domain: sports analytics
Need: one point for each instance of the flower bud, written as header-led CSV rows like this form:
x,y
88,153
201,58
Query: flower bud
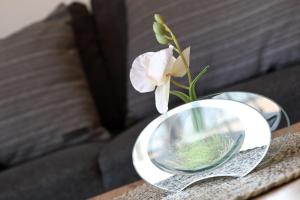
x,y
159,29
159,18
161,39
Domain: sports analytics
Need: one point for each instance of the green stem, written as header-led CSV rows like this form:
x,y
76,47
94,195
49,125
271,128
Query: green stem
x,y
197,119
180,53
169,38
179,84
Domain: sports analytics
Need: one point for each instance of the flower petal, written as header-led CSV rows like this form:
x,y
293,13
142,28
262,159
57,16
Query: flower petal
x,y
138,76
159,64
179,69
162,96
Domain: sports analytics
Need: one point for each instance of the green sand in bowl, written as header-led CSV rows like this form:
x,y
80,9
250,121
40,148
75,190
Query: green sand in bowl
x,y
203,153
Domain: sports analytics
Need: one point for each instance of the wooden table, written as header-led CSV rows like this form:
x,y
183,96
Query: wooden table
x,y
289,191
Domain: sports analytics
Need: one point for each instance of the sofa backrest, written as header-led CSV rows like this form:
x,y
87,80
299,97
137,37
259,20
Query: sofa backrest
x,y
110,20
238,39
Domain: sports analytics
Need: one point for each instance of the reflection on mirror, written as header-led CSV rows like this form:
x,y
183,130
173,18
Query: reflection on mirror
x,y
272,112
268,108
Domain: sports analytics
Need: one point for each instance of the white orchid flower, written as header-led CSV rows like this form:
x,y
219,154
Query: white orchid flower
x,y
154,70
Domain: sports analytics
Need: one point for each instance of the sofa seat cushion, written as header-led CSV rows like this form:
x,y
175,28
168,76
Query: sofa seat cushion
x,y
115,160
72,173
282,86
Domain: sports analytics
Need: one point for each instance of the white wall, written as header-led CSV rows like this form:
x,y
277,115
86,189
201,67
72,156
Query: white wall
x,y
15,14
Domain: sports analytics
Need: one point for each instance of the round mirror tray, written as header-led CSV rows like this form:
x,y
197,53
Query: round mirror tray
x,y
275,115
213,137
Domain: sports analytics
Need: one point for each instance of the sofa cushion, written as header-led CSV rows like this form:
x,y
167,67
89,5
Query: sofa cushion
x,y
110,21
115,159
45,101
86,39
72,173
238,39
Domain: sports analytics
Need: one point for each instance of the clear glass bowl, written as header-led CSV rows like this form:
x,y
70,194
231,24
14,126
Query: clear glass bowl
x,y
196,139
200,140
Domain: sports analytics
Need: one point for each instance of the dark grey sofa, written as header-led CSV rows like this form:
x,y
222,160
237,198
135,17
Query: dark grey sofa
x,y
85,170
115,163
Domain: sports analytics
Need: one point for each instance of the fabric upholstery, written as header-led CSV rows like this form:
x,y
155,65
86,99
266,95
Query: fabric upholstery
x,y
45,101
2,167
72,173
93,64
110,19
115,159
282,86
238,39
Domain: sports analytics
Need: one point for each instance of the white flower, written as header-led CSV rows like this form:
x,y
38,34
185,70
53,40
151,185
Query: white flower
x,y
154,69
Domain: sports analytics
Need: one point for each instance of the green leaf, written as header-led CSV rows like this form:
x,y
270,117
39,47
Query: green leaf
x,y
181,95
159,18
161,39
192,90
159,29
